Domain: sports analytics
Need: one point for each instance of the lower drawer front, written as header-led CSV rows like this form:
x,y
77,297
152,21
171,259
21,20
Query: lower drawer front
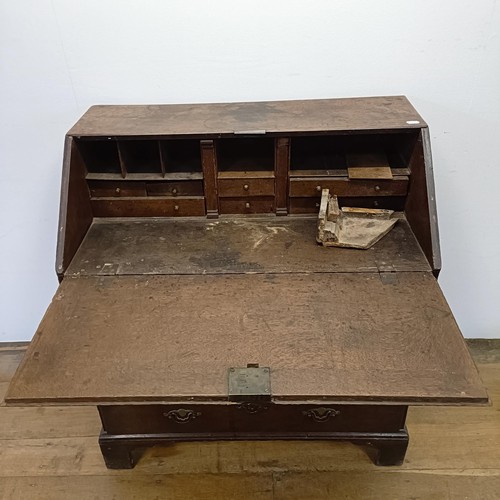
x,y
249,417
247,205
148,207
116,189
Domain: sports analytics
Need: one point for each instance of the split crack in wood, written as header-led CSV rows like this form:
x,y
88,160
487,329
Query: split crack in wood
x,y
351,227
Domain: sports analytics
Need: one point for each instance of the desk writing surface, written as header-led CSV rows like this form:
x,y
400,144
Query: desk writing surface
x,y
234,245
325,336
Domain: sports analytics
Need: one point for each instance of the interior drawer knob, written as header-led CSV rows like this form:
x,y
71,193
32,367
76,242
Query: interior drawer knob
x,y
245,187
318,188
176,208
377,188
117,190
247,205
174,191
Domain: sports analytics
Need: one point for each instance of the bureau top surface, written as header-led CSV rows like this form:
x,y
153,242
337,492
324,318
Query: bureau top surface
x,y
273,117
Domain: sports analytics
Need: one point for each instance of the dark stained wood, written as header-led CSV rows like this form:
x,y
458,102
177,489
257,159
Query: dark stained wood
x,y
171,346
175,188
310,205
118,189
281,117
280,417
420,205
209,165
247,205
281,167
234,245
154,206
306,186
75,213
246,186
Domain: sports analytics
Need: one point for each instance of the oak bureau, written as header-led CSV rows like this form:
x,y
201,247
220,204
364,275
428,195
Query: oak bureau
x,y
195,303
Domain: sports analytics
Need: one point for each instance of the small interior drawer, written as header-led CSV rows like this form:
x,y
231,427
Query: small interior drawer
x,y
100,189
245,186
260,205
306,187
148,207
175,188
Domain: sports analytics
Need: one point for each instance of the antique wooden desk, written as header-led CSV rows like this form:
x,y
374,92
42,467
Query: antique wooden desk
x,y
195,303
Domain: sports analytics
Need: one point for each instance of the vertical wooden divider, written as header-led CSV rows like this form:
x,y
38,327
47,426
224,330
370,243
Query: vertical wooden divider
x,y
122,158
209,165
161,149
281,166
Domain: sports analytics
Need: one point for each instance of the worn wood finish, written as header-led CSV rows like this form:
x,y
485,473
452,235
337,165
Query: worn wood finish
x,y
153,206
411,351
51,453
275,117
75,213
234,245
420,205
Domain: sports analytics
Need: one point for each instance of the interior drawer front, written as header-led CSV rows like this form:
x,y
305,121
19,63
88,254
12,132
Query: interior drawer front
x,y
175,188
246,205
148,207
99,189
311,205
246,187
302,187
250,417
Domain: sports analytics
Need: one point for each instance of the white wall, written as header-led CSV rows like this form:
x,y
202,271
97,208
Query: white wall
x,y
59,57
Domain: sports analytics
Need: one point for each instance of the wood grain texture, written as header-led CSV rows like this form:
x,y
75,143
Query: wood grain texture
x,y
75,212
329,340
274,117
234,245
454,453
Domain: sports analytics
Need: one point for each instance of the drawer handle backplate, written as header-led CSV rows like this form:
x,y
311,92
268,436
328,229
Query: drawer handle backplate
x,y
321,414
182,416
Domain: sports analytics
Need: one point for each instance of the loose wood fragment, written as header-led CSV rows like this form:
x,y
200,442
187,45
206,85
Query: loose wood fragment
x,y
351,227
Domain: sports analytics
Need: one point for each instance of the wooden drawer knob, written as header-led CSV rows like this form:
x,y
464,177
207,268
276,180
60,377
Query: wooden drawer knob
x,y
176,208
174,191
318,188
245,187
377,188
247,205
117,190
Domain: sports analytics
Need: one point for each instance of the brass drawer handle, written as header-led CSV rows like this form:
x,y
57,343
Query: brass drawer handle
x,y
182,416
252,407
321,414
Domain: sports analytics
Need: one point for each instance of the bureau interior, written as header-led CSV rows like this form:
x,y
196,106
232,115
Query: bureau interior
x,y
249,175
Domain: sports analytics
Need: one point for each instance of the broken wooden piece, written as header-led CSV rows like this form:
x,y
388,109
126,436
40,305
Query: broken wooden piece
x,y
351,227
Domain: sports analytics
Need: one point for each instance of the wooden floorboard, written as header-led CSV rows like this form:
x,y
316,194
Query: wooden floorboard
x,y
52,453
